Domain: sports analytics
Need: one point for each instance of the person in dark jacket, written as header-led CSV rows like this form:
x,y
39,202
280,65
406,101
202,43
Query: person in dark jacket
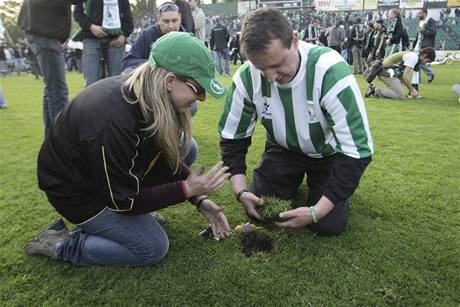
x,y
426,36
395,32
169,20
46,39
105,25
218,43
186,15
112,157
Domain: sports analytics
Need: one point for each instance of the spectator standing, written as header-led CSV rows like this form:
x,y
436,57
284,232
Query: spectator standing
x,y
358,34
311,34
199,18
3,62
368,42
3,104
426,36
336,36
395,32
186,15
33,63
218,43
379,40
46,39
105,25
18,55
235,49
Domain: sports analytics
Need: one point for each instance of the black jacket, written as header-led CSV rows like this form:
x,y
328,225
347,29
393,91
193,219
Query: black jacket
x,y
95,15
219,37
140,50
186,16
429,34
96,156
397,33
49,18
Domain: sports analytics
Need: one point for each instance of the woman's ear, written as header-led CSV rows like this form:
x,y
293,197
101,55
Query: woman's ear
x,y
169,81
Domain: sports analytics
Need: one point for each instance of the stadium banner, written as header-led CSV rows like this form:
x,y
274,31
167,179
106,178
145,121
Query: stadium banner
x,y
325,5
411,4
339,5
453,3
435,3
387,4
370,4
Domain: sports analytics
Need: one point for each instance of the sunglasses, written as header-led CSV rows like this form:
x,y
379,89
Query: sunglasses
x,y
198,90
168,7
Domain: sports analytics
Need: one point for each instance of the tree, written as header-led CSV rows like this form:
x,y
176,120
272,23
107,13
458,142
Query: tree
x,y
142,7
9,15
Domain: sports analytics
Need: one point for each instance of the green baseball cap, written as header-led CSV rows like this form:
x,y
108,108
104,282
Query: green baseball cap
x,y
184,54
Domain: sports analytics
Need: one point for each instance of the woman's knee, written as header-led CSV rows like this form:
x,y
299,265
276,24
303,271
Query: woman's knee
x,y
154,250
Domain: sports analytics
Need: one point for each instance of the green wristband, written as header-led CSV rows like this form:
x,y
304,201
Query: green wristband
x,y
313,214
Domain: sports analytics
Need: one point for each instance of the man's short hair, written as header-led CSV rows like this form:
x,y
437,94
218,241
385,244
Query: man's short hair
x,y
428,53
380,21
262,26
424,10
358,20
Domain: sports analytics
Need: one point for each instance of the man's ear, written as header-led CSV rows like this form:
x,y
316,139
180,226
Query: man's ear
x,y
295,40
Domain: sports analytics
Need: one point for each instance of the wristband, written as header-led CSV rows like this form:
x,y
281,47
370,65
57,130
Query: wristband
x,y
313,214
238,195
200,201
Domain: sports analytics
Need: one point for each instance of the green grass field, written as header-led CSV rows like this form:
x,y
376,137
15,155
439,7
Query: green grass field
x,y
402,245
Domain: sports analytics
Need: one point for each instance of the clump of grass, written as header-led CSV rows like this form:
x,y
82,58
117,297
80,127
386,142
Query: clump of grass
x,y
272,207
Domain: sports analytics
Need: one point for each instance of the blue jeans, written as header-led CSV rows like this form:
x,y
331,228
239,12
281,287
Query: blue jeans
x,y
427,69
2,99
52,63
111,238
94,49
190,156
222,55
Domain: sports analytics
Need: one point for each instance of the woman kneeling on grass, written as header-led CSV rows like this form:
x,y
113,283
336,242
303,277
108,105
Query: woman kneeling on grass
x,y
112,157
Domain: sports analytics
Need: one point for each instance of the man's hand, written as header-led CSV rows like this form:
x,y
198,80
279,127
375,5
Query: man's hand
x,y
198,184
118,42
216,218
414,93
250,202
296,218
97,31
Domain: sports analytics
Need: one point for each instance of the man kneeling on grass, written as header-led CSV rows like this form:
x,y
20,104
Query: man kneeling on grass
x,y
309,102
401,68
112,156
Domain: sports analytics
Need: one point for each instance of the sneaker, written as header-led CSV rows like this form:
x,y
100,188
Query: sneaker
x,y
44,243
430,78
416,97
228,75
370,90
159,218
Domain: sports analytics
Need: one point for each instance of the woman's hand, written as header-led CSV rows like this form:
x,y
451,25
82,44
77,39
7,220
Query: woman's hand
x,y
216,218
198,184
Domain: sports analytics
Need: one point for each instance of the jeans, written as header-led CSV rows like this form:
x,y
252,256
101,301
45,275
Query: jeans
x,y
222,55
2,99
94,49
52,63
115,239
190,156
427,69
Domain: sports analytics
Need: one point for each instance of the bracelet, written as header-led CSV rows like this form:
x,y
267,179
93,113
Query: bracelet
x,y
313,214
200,201
240,192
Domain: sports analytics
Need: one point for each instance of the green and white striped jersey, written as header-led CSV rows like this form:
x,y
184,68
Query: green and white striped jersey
x,y
320,112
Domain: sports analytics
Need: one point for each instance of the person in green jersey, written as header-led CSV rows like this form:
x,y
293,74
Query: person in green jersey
x,y
398,69
309,102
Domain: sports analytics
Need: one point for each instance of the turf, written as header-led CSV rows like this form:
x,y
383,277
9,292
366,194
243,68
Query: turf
x,y
401,247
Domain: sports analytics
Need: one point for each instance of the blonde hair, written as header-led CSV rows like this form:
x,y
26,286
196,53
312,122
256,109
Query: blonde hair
x,y
163,122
